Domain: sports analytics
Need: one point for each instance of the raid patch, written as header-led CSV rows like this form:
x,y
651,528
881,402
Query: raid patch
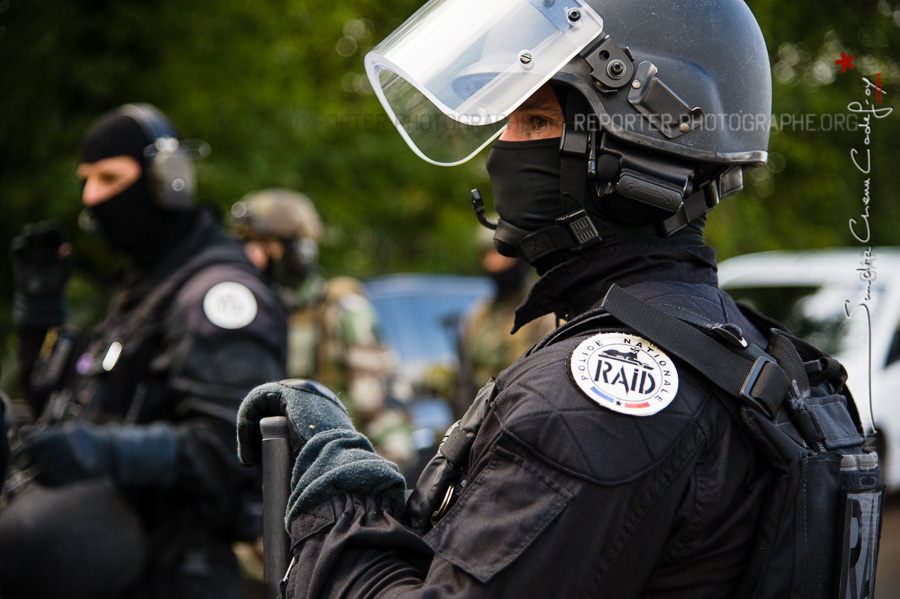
x,y
230,305
624,373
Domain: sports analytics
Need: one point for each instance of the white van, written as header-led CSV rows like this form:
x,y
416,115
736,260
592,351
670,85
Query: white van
x,y
847,302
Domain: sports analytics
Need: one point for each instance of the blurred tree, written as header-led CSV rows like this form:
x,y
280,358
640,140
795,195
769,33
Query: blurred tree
x,y
809,191
278,91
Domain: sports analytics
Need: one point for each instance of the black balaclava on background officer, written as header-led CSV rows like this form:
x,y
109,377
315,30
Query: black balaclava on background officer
x,y
132,221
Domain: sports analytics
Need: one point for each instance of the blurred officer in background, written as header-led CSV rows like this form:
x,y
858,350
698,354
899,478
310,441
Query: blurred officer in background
x,y
333,330
488,344
138,492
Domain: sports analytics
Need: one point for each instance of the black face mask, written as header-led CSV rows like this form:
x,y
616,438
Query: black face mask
x,y
129,220
298,261
525,177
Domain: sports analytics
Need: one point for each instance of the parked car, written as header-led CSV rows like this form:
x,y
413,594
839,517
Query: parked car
x,y
420,316
847,302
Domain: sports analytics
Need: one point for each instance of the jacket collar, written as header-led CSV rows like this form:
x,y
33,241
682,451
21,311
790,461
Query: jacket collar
x,y
576,285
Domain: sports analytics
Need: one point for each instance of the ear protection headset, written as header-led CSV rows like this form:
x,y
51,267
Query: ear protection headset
x,y
168,163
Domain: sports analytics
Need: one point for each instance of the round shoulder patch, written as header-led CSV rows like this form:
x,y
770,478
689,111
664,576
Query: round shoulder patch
x,y
624,373
229,305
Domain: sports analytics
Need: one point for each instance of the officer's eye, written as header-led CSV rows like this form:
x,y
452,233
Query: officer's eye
x,y
539,122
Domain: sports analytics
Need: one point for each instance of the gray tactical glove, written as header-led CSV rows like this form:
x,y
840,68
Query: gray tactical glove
x,y
330,456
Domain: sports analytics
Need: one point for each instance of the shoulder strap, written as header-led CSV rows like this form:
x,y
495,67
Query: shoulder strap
x,y
739,368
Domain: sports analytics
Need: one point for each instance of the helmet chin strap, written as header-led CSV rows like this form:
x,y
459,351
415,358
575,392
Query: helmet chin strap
x,y
573,231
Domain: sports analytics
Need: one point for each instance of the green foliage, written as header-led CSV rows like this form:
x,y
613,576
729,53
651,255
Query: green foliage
x,y
278,91
807,194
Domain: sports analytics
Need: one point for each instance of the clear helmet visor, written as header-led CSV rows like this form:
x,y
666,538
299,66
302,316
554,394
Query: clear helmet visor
x,y
451,74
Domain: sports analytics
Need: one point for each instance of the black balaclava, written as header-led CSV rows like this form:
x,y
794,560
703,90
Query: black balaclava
x,y
526,180
131,221
525,177
297,262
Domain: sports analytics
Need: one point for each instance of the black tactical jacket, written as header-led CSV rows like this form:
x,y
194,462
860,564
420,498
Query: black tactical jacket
x,y
182,343
566,497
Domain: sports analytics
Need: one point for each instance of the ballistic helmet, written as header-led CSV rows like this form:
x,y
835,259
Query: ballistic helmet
x,y
667,102
153,213
284,215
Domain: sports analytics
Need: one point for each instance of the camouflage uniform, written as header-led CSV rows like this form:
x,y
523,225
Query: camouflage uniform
x,y
334,335
334,338
489,345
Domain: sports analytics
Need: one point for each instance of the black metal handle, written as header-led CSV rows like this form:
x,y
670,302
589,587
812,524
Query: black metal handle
x,y
277,461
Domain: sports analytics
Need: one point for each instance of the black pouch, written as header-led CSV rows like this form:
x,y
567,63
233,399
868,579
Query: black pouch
x,y
861,504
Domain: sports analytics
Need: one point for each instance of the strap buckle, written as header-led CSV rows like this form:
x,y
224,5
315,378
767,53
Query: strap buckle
x,y
731,333
581,228
750,381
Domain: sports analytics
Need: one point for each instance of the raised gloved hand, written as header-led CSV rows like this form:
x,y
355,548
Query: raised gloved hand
x,y
133,455
330,456
42,263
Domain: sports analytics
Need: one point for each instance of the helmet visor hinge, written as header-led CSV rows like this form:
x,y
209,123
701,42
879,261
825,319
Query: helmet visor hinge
x,y
660,104
611,66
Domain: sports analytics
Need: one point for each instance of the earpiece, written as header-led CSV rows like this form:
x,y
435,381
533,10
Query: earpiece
x,y
170,167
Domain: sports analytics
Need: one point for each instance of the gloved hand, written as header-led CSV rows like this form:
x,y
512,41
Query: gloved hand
x,y
133,455
330,456
42,263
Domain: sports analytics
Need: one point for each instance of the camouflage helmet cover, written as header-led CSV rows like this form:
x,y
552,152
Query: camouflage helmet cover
x,y
276,213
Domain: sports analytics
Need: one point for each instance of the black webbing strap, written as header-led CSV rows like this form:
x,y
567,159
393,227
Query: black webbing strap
x,y
149,306
746,372
456,447
573,231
